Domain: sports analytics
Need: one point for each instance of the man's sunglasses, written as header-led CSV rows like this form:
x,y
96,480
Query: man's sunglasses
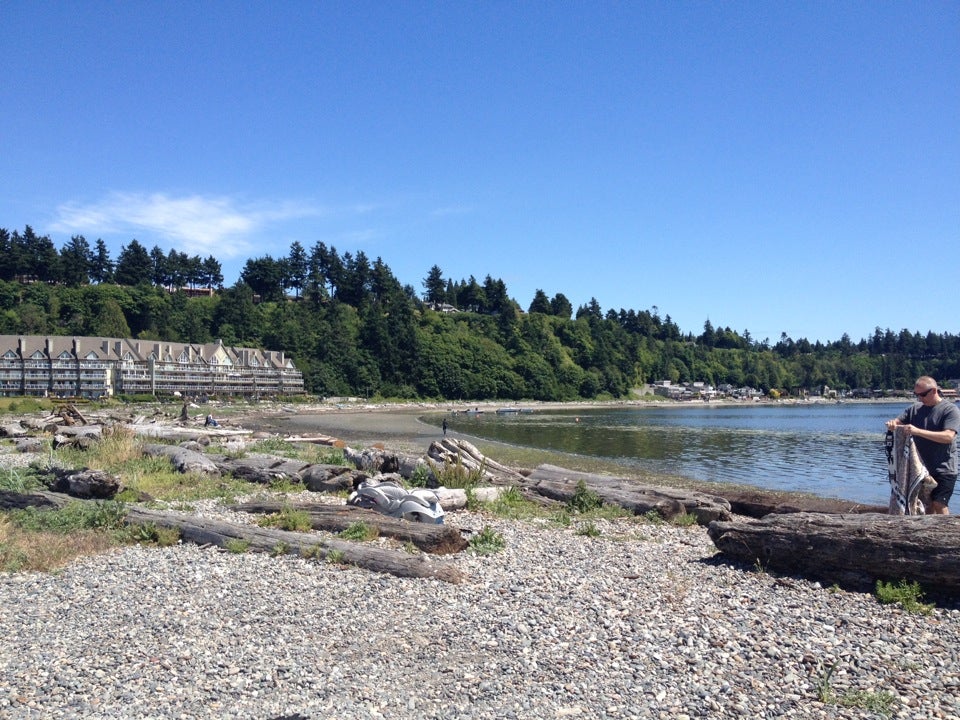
x,y
924,393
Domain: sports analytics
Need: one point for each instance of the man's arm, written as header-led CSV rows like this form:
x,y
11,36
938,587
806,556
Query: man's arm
x,y
944,437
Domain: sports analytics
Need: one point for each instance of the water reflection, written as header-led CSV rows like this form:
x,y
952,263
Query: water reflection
x,y
830,450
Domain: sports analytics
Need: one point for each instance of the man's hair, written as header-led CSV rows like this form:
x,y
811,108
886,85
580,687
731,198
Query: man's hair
x,y
926,380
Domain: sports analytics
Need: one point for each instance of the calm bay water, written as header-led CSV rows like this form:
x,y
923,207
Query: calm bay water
x,y
831,450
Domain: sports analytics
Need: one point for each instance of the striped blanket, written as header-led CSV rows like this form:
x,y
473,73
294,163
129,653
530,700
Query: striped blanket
x,y
910,483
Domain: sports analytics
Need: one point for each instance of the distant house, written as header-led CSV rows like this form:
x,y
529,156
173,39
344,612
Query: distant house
x,y
93,367
442,307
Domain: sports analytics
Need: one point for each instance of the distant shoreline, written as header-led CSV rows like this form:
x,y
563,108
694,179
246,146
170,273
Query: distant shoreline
x,y
399,427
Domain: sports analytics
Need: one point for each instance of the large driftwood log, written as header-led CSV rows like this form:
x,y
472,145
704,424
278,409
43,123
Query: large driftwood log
x,y
561,484
175,433
850,550
12,430
758,503
436,539
203,531
261,468
185,460
86,483
206,531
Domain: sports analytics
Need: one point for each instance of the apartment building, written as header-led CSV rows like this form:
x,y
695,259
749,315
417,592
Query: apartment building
x,y
93,367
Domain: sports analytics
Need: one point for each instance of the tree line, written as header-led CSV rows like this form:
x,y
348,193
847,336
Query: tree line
x,y
353,328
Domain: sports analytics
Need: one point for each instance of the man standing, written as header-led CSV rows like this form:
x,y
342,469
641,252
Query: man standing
x,y
933,423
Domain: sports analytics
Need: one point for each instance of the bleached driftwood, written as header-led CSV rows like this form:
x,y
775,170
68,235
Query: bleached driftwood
x,y
437,539
177,433
452,452
185,460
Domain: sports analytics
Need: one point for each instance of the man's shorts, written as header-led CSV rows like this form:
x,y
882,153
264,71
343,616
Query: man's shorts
x,y
944,489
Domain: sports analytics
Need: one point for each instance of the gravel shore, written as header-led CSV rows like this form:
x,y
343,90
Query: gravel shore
x,y
642,621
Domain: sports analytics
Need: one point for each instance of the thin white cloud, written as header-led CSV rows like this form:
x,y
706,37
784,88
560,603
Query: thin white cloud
x,y
196,224
451,210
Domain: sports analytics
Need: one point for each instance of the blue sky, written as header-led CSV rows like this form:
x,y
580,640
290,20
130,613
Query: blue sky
x,y
770,166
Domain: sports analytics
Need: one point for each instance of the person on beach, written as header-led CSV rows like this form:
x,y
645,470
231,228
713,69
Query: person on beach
x,y
444,427
933,423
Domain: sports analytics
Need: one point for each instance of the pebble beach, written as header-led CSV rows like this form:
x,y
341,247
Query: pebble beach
x,y
643,620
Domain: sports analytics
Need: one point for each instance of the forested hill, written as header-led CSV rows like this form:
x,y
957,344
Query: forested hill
x,y
354,329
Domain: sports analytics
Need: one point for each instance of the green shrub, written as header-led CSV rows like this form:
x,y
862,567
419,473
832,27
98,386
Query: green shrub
x,y
907,595
420,476
456,475
288,519
684,520
360,531
512,504
237,545
584,500
589,529
20,480
487,541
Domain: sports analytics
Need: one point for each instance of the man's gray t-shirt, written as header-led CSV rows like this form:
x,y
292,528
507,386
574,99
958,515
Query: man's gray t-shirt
x,y
940,459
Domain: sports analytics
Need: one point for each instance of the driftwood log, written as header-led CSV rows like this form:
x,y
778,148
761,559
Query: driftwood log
x,y
203,531
331,478
10,500
756,503
452,452
435,539
206,531
86,483
561,484
850,550
178,433
185,460
261,468
12,430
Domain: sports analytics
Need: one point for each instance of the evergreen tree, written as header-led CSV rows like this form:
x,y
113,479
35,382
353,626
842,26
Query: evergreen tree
x,y
297,268
561,307
540,303
435,289
264,275
76,260
38,258
160,272
211,274
7,261
134,265
101,266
